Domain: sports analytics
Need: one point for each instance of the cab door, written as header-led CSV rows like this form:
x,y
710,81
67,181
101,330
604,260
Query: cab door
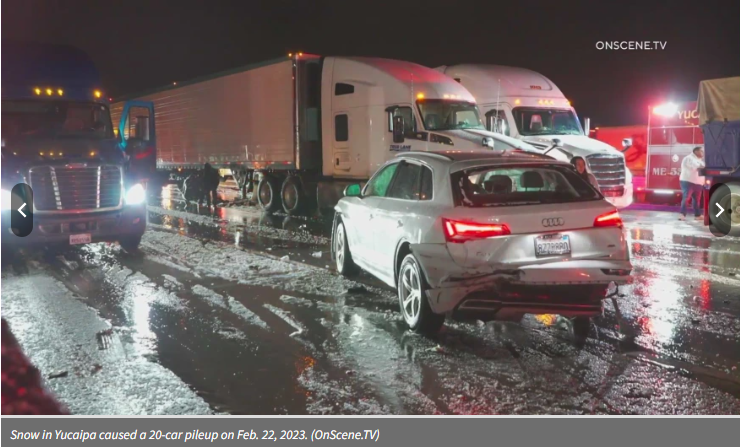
x,y
342,157
139,140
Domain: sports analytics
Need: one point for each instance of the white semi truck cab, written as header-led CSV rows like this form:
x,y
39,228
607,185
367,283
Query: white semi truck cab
x,y
524,104
302,128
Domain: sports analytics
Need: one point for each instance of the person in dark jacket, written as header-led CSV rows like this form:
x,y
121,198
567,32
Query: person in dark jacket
x,y
580,164
211,179
23,392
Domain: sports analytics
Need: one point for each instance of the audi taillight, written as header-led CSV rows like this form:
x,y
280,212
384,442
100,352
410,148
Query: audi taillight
x,y
610,219
457,231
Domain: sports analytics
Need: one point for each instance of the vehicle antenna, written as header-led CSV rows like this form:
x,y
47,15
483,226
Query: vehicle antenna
x,y
498,98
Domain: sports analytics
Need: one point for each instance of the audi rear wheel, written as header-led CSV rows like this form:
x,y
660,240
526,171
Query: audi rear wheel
x,y
412,298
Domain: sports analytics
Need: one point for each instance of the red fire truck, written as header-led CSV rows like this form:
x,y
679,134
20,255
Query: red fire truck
x,y
654,152
673,132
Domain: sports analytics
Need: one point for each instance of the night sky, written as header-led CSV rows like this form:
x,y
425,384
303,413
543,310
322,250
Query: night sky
x,y
143,44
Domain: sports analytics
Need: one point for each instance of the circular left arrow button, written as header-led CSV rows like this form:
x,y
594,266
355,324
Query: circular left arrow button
x,y
21,210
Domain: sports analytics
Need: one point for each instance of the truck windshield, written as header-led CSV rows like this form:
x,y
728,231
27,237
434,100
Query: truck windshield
x,y
438,114
520,185
55,119
539,121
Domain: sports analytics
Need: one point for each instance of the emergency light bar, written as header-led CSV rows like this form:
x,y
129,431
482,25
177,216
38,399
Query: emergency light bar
x,y
667,109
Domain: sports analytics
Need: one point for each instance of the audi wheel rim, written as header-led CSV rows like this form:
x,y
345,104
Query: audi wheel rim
x,y
409,294
339,247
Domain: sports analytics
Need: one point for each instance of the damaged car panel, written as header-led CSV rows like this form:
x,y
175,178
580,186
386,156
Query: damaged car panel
x,y
470,234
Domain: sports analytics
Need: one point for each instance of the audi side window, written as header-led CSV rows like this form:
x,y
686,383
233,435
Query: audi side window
x,y
406,185
378,185
427,189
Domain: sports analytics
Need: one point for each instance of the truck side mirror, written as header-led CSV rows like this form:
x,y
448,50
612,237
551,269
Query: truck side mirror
x,y
587,126
626,143
398,129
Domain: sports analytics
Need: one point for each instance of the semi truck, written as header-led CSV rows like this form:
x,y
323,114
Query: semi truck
x,y
528,106
719,118
632,140
304,127
66,179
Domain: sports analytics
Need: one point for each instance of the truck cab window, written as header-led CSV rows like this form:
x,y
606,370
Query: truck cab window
x,y
341,127
378,185
546,121
343,89
33,119
406,184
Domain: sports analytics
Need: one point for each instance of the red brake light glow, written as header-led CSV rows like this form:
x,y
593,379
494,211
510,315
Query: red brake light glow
x,y
610,219
456,231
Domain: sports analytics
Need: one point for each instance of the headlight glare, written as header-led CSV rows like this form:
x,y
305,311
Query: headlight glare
x,y
136,195
5,199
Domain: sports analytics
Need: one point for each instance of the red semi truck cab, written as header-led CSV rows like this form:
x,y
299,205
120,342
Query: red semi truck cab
x,y
673,132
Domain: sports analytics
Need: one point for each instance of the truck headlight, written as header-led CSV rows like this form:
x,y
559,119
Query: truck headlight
x,y
5,199
136,195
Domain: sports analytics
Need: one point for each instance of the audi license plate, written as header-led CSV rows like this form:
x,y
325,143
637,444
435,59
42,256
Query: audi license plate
x,y
75,239
552,244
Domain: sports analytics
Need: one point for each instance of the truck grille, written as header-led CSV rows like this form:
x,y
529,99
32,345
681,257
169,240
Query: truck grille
x,y
68,188
610,174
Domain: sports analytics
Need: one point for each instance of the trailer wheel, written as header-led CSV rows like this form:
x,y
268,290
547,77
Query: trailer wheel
x,y
292,195
268,193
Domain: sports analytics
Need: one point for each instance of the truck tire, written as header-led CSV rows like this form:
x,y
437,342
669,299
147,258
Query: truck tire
x,y
292,195
268,193
581,329
130,243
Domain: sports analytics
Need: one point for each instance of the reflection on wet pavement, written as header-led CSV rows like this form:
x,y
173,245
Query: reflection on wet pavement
x,y
212,301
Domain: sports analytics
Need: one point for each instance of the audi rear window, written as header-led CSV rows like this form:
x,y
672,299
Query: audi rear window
x,y
520,185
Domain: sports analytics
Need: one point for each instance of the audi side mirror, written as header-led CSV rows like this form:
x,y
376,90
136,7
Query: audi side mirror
x,y
353,190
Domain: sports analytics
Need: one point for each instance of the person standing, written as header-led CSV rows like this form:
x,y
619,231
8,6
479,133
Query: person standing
x,y
692,184
580,164
211,179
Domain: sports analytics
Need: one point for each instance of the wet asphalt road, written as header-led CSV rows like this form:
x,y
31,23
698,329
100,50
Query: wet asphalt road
x,y
211,317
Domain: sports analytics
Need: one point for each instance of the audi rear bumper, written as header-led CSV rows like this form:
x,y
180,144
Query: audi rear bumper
x,y
568,288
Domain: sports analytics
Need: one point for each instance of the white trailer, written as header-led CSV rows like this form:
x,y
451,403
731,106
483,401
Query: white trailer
x,y
526,105
309,125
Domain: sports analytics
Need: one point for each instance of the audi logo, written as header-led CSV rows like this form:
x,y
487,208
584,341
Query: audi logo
x,y
553,222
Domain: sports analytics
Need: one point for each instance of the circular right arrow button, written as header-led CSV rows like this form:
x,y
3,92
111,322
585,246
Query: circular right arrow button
x,y
724,211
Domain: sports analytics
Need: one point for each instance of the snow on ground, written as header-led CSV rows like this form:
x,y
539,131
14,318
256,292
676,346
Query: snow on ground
x,y
285,316
94,380
230,304
248,219
215,259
